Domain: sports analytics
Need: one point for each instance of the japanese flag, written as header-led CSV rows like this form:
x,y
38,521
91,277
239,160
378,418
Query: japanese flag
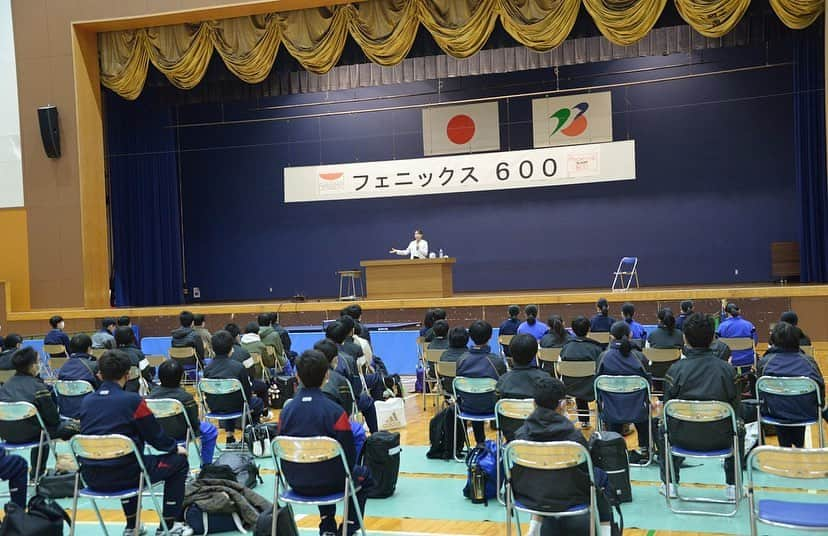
x,y
464,128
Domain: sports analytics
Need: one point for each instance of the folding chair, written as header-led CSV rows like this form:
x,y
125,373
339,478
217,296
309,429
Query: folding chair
x,y
71,389
807,350
741,343
224,387
309,450
599,336
97,353
110,447
548,357
474,387
271,352
256,361
659,362
624,386
173,418
504,340
627,266
54,365
575,369
189,360
790,386
701,411
13,413
155,361
55,350
510,414
431,386
553,456
782,462
445,370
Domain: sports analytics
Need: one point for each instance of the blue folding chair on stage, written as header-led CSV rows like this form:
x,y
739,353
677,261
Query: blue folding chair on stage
x,y
552,456
471,387
771,390
808,464
627,268
110,447
310,450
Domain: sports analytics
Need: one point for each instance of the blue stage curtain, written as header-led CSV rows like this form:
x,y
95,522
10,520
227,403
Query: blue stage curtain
x,y
142,164
809,133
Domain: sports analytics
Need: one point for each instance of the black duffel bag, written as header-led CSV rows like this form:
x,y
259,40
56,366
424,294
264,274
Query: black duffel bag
x,y
45,518
56,485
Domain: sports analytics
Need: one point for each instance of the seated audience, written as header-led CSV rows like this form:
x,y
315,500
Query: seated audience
x,y
479,362
637,331
520,382
531,325
26,386
734,326
270,338
510,326
224,368
787,360
438,314
666,335
557,335
686,310
351,346
313,414
252,344
428,321
581,348
14,470
112,410
125,340
701,375
57,336
186,337
284,335
201,330
338,332
13,342
440,340
239,353
124,321
337,387
170,374
105,338
622,359
80,366
458,346
791,318
355,312
567,487
602,321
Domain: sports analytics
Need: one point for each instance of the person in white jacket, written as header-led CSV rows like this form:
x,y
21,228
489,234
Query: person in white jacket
x,y
417,248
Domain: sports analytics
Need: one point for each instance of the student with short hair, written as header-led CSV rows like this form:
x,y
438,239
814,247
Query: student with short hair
x,y
788,361
437,314
355,311
701,375
80,366
112,410
479,362
532,325
313,414
105,338
735,326
458,339
270,338
510,326
201,330
186,337
56,335
666,335
13,342
440,340
338,332
791,318
222,367
602,321
637,331
520,382
428,322
337,386
581,348
623,359
170,373
125,340
686,310
557,335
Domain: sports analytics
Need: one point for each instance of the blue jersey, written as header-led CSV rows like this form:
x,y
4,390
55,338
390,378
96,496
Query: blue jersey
x,y
637,331
537,330
738,327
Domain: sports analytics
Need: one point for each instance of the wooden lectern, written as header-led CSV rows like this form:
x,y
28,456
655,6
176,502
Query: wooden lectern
x,y
409,278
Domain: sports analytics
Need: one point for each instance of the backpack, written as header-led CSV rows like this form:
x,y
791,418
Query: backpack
x,y
285,387
481,482
235,466
285,523
44,518
441,432
608,451
210,523
257,439
381,454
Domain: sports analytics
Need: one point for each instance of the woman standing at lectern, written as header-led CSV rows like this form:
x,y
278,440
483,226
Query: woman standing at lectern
x,y
417,249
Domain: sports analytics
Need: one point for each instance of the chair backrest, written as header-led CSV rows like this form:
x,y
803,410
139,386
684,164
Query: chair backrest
x,y
17,411
787,386
97,352
55,363
807,350
620,384
550,355
54,349
627,264
73,387
103,447
183,353
306,449
788,462
510,413
576,369
133,373
504,340
738,343
551,456
5,375
12,413
446,369
171,415
433,356
473,386
662,355
421,345
156,360
599,336
699,411
218,387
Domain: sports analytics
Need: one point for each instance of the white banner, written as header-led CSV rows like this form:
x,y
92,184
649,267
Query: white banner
x,y
573,119
533,168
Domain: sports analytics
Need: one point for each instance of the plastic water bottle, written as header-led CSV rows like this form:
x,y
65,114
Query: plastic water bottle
x,y
441,253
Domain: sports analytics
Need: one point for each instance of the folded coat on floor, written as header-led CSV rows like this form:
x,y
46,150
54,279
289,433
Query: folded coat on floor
x,y
216,496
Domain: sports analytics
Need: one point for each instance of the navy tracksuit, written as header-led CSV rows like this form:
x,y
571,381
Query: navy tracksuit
x,y
313,414
14,469
111,410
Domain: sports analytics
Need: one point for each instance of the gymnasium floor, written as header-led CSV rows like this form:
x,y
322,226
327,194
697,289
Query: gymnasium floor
x,y
429,500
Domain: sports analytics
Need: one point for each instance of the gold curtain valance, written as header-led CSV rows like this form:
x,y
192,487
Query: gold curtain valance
x,y
386,29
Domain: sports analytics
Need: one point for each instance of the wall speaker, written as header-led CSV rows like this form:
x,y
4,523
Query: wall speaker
x,y
49,133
